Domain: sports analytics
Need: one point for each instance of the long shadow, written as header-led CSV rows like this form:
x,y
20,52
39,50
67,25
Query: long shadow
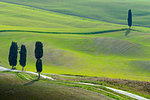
x,y
127,32
88,33
31,82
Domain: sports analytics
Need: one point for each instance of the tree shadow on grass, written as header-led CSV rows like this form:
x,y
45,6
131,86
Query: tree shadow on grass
x,y
128,32
31,82
87,33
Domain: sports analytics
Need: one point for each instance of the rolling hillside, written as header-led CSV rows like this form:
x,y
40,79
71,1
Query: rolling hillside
x,y
83,49
85,54
19,17
113,11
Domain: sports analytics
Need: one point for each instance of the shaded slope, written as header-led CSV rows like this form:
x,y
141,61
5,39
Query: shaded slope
x,y
13,88
113,95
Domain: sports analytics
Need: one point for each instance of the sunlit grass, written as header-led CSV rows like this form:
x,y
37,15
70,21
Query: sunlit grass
x,y
111,54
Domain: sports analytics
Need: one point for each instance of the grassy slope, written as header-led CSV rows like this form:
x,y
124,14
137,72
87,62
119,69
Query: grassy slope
x,y
85,54
105,55
109,10
20,17
14,88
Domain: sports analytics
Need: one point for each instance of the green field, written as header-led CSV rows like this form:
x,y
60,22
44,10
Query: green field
x,y
79,42
18,17
114,11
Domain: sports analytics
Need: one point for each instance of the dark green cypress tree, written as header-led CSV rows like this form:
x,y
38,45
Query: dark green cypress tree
x,y
23,54
129,18
38,56
39,67
13,54
38,50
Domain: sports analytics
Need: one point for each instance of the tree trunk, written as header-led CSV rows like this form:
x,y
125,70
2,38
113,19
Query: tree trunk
x,y
129,27
12,67
38,75
22,69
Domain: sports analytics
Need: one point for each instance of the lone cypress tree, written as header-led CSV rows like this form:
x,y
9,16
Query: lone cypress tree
x,y
39,67
38,56
13,54
129,18
23,54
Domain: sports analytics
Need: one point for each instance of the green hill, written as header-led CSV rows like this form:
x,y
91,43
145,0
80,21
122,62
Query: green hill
x,y
18,17
83,49
107,55
109,10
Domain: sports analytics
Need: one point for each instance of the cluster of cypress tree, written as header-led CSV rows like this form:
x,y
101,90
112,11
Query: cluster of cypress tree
x,y
13,54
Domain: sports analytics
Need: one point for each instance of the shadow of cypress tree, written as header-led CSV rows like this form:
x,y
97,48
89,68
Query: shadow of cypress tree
x,y
127,32
86,33
31,82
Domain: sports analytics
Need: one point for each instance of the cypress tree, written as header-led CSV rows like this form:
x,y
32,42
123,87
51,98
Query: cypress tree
x,y
39,67
13,54
38,56
129,18
23,54
38,50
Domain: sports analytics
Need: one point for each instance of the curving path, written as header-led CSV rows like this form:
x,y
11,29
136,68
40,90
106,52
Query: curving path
x,y
116,90
6,69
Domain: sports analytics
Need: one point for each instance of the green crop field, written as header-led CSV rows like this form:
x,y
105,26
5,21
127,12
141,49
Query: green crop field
x,y
81,37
